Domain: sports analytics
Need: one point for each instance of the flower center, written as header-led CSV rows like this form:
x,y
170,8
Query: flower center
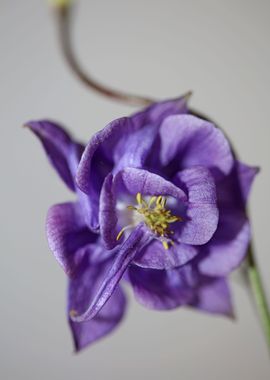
x,y
155,216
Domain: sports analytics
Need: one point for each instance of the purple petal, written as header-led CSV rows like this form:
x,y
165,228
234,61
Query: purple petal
x,y
108,216
153,256
147,183
131,181
102,144
246,177
202,213
192,141
123,142
157,112
112,277
133,146
67,234
214,297
234,189
63,153
80,291
162,289
229,246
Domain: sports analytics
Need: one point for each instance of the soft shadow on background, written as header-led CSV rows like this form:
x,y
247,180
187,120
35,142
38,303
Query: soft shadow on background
x,y
218,49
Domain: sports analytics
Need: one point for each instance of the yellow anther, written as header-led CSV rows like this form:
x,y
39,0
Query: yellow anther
x,y
131,208
120,234
174,219
152,200
159,199
122,231
156,217
139,198
163,202
165,244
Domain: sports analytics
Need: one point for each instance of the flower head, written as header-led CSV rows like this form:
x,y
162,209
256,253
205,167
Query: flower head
x,y
161,206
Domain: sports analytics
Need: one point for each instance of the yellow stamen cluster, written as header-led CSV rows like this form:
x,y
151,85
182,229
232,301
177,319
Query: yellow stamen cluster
x,y
156,217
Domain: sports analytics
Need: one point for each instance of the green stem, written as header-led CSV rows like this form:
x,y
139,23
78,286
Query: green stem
x,y
259,294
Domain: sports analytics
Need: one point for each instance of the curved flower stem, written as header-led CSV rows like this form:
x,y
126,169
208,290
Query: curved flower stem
x,y
63,12
259,293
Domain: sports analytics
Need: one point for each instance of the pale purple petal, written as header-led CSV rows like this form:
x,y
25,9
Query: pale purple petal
x,y
90,182
133,147
191,141
154,256
108,215
147,183
157,112
80,292
130,181
113,275
63,153
201,219
162,289
234,189
228,248
102,145
246,175
213,296
67,233
123,142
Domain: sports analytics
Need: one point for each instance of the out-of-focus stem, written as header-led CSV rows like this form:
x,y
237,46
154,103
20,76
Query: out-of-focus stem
x,y
259,294
63,13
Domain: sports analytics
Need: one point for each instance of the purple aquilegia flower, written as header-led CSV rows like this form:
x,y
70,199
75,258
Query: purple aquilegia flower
x,y
161,205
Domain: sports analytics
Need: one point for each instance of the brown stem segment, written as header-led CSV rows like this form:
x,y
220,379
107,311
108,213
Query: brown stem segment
x,y
64,17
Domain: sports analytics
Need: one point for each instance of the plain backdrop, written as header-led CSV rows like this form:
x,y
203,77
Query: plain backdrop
x,y
220,50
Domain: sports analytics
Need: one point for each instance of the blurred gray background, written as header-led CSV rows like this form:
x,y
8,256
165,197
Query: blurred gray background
x,y
218,49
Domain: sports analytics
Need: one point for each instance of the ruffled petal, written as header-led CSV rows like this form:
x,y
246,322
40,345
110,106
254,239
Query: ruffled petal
x,y
154,256
112,276
213,296
130,181
201,218
120,143
147,183
124,142
133,146
187,141
157,112
108,215
67,234
234,189
80,292
228,247
63,152
135,143
246,175
162,289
